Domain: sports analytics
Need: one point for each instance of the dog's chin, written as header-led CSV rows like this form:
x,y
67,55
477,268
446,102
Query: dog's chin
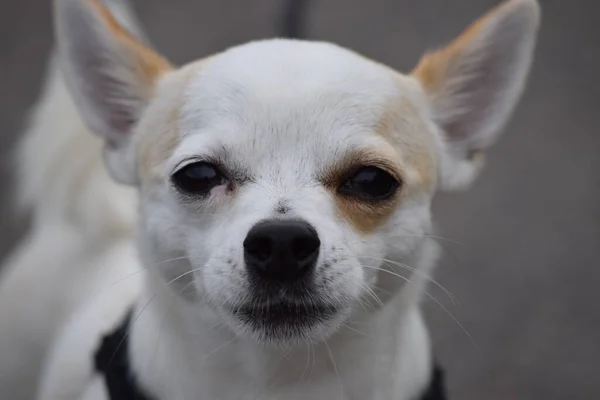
x,y
284,323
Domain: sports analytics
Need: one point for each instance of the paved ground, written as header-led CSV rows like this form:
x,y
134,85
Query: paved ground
x,y
527,270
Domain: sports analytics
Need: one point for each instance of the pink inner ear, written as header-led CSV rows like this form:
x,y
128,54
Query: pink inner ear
x,y
475,82
118,104
482,76
109,72
475,96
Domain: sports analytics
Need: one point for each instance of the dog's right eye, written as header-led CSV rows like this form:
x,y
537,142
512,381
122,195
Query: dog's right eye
x,y
198,178
370,183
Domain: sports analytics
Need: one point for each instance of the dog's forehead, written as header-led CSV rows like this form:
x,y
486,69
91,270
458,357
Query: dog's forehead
x,y
285,82
278,68
292,99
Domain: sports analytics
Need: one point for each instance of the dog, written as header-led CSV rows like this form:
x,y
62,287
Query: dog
x,y
283,233
81,225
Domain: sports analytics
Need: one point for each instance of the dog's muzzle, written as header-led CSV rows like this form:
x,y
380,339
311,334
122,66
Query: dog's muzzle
x,y
280,257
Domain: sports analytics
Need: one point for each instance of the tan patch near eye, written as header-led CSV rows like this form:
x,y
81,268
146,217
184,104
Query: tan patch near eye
x,y
156,148
149,64
159,133
401,125
364,216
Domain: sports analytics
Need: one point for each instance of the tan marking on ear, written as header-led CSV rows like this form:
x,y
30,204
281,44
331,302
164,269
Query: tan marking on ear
x,y
149,64
433,67
364,216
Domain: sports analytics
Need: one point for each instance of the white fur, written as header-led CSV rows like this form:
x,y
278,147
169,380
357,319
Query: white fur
x,y
280,113
81,223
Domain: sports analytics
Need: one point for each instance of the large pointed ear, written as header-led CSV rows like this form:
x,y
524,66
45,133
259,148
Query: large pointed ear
x,y
474,83
110,73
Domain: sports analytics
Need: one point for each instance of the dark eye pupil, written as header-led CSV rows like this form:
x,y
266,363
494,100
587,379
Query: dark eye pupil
x,y
198,178
370,183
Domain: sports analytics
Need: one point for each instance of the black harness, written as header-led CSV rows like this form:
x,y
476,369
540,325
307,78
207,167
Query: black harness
x,y
112,362
437,387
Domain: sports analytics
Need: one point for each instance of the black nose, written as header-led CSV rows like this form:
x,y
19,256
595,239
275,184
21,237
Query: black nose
x,y
281,250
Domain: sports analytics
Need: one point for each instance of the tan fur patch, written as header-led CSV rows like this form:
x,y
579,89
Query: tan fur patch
x,y
364,216
155,148
149,64
158,141
402,126
411,158
433,67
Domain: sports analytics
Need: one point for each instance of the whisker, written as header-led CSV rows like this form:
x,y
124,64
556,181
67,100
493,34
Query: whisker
x,y
130,327
314,361
445,248
273,379
135,320
126,277
102,290
415,270
270,381
456,321
359,332
186,286
172,259
430,236
379,288
158,339
373,295
396,275
436,302
366,306
186,273
218,348
455,259
418,273
306,366
335,369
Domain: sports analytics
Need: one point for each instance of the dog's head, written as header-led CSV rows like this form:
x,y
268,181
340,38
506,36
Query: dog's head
x,y
277,178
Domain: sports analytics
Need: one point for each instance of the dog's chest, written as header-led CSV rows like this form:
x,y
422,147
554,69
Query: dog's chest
x,y
224,382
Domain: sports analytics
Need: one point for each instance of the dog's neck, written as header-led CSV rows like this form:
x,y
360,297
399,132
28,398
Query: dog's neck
x,y
180,350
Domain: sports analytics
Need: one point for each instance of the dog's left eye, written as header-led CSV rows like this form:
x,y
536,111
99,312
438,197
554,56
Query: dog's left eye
x,y
370,183
198,178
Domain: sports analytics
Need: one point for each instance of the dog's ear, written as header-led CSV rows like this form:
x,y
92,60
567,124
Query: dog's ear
x,y
110,73
474,83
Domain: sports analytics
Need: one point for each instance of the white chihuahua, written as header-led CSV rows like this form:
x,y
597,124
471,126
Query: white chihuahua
x,y
82,226
284,217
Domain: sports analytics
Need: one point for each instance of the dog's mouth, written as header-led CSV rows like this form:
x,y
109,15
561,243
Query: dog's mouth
x,y
285,320
285,312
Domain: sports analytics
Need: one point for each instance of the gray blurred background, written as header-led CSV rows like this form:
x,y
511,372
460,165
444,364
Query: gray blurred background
x,y
526,269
